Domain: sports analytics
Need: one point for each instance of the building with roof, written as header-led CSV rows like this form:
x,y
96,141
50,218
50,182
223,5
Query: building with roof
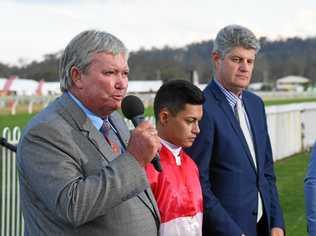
x,y
292,83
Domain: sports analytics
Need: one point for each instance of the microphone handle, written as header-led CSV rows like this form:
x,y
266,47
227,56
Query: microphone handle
x,y
156,163
7,145
156,160
137,120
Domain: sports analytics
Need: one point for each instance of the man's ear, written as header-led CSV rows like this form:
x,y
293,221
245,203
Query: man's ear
x,y
163,116
75,75
216,57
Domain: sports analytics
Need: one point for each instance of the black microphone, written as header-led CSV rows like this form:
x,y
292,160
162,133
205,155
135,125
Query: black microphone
x,y
133,109
4,143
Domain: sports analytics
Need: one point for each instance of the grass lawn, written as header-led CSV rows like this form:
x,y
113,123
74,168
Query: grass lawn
x,y
288,101
290,182
11,121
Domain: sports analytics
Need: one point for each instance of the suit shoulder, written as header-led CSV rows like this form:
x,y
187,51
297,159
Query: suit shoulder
x,y
118,119
116,115
251,94
48,115
254,97
209,95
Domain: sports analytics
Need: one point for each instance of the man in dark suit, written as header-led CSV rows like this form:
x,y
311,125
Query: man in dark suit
x,y
81,171
233,149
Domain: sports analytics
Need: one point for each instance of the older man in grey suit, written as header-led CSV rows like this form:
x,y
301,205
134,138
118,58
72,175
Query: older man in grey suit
x,y
73,181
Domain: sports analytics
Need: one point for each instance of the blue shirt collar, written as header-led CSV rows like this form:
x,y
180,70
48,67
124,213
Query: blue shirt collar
x,y
96,120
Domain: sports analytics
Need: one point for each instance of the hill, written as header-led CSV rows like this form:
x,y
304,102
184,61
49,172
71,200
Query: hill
x,y
278,58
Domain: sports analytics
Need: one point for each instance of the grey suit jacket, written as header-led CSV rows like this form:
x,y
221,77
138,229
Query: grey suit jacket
x,y
72,184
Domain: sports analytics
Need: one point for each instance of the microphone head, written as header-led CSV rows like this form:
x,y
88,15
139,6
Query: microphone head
x,y
132,106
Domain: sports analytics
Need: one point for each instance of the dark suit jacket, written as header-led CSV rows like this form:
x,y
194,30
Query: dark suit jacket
x,y
230,182
71,182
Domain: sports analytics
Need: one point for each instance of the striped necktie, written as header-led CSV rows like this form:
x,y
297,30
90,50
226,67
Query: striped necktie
x,y
111,137
246,131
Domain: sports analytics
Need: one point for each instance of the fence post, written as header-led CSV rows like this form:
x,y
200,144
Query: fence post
x,y
11,219
13,108
30,107
303,131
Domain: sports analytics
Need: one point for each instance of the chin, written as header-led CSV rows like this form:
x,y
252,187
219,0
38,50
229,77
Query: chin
x,y
116,106
244,84
187,145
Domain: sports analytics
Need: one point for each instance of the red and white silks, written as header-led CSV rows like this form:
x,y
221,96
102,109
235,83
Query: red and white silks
x,y
178,193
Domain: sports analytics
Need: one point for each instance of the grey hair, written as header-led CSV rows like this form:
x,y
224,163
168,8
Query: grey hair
x,y
80,50
233,36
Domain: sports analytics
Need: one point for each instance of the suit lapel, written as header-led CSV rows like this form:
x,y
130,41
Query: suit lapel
x,y
76,117
97,139
224,105
120,126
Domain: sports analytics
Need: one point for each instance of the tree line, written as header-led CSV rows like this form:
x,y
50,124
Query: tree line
x,y
276,59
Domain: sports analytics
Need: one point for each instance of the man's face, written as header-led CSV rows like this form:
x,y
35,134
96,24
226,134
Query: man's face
x,y
235,70
182,128
103,85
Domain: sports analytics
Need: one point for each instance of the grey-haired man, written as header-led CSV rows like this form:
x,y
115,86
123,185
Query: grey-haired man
x,y
233,149
73,181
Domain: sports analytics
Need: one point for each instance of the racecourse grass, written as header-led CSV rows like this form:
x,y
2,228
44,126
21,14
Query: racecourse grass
x,y
272,102
290,174
19,120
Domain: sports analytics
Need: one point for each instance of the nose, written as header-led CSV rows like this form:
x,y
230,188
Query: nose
x,y
244,66
121,81
196,128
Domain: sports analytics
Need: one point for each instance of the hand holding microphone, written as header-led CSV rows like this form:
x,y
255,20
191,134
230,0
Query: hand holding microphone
x,y
144,142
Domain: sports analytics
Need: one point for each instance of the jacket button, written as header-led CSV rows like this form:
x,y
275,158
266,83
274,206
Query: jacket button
x,y
254,213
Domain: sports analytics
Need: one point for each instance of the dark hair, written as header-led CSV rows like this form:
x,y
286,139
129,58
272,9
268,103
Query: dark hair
x,y
175,94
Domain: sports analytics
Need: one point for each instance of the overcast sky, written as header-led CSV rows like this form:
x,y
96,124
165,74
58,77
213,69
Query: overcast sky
x,y
30,29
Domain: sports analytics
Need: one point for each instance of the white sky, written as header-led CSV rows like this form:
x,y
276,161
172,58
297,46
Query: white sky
x,y
31,28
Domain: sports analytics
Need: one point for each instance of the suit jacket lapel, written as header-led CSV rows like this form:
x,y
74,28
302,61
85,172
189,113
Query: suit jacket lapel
x,y
76,117
224,105
96,137
120,126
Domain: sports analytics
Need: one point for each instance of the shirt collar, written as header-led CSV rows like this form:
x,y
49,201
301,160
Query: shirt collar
x,y
230,96
174,149
96,120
